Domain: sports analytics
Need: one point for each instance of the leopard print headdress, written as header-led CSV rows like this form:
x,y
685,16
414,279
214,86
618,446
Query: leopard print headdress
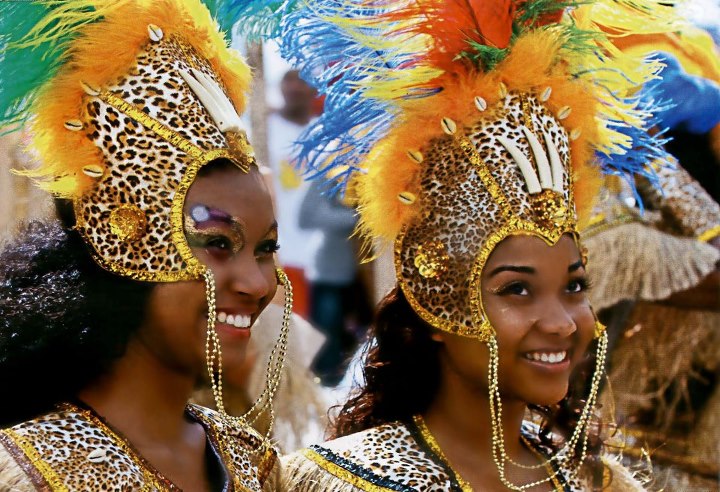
x,y
126,101
461,123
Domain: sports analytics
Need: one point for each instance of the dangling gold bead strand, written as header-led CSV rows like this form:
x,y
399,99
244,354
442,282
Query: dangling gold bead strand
x,y
274,369
568,451
213,353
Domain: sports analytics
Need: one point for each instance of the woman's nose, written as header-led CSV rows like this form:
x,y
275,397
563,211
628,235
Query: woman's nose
x,y
251,278
556,319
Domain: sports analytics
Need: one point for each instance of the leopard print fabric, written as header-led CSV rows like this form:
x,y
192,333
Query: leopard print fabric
x,y
142,169
72,449
459,212
390,457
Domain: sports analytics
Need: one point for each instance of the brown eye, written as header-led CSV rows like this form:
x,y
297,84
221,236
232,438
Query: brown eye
x,y
220,243
578,285
268,247
514,289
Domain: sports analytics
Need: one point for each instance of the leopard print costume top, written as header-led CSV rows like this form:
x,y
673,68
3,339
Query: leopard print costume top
x,y
399,457
73,449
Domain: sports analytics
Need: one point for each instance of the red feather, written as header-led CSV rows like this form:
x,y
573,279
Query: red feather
x,y
452,23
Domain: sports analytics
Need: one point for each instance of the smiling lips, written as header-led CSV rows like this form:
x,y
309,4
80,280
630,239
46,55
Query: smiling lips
x,y
236,320
547,357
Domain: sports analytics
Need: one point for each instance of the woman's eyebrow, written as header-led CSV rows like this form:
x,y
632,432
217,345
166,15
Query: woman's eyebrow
x,y
512,268
575,266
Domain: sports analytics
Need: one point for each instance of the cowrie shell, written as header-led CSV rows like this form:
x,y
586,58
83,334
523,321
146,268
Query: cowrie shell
x,y
448,126
564,112
74,125
545,94
156,34
97,456
415,156
480,103
93,170
575,134
407,198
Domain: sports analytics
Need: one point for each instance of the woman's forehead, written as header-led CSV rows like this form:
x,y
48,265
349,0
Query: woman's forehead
x,y
230,193
532,249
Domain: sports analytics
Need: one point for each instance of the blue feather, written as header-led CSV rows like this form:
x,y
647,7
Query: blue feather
x,y
339,65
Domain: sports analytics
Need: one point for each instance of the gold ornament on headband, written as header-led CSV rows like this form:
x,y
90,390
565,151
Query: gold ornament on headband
x,y
431,259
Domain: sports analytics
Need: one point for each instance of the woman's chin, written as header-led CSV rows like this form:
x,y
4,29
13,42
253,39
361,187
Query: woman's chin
x,y
547,396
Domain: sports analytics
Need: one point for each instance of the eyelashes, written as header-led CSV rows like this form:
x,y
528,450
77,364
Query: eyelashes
x,y
521,288
583,282
222,245
268,247
516,287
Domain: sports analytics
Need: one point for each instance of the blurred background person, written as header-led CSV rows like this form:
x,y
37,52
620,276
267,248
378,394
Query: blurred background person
x,y
284,127
340,304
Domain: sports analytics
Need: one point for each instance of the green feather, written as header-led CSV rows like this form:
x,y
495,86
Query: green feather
x,y
33,45
483,56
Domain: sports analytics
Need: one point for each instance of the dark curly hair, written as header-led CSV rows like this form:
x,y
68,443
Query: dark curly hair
x,y
402,377
63,319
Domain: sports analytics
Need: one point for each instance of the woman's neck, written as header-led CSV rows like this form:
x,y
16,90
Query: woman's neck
x,y
461,413
142,397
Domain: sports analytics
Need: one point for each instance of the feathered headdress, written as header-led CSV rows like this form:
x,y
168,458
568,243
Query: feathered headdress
x,y
107,87
414,91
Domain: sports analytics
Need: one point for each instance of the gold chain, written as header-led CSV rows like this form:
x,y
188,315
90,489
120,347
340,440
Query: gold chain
x,y
276,362
564,455
213,352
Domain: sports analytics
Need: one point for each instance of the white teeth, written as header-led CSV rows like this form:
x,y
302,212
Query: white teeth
x,y
236,320
548,357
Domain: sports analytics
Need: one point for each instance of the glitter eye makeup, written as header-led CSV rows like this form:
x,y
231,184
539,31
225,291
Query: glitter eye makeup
x,y
214,229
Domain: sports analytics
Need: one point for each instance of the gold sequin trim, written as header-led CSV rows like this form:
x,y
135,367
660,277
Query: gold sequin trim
x,y
430,440
485,176
513,227
221,441
526,112
343,474
151,123
36,460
